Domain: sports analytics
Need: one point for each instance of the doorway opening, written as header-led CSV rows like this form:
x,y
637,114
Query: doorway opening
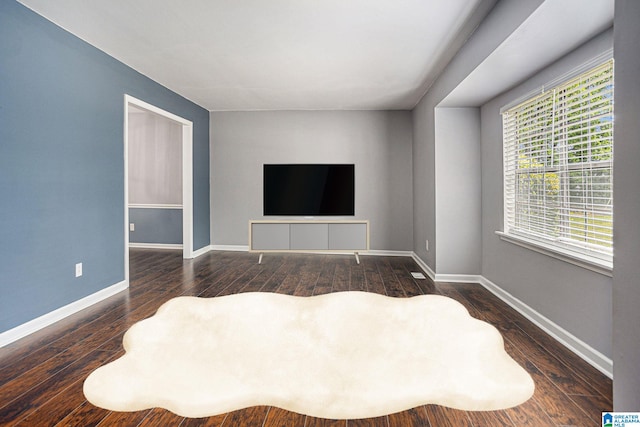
x,y
186,136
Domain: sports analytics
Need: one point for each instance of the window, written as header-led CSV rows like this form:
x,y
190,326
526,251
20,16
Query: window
x,y
558,166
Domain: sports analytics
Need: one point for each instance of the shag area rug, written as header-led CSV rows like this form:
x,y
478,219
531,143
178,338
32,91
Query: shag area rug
x,y
340,355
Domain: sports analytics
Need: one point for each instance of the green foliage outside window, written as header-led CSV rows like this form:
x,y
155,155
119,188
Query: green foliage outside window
x,y
559,162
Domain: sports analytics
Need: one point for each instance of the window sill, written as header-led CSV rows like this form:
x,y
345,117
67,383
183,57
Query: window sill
x,y
591,263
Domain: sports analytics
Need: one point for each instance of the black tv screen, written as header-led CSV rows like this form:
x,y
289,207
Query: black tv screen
x,y
309,189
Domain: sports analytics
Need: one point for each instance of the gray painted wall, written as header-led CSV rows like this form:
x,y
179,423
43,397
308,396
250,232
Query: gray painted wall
x,y
156,225
577,299
377,142
424,183
626,286
155,160
155,177
458,191
503,19
62,164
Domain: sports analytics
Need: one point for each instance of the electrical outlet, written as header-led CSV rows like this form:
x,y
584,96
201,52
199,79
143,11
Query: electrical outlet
x,y
79,269
426,244
132,227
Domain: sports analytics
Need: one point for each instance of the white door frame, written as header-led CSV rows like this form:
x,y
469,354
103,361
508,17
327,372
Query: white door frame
x,y
187,176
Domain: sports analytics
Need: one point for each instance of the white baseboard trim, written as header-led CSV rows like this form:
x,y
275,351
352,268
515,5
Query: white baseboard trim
x,y
579,347
171,246
458,278
45,320
232,248
203,250
423,265
377,252
573,343
156,245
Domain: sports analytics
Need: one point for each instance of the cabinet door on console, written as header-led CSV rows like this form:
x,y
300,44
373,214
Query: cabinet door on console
x,y
348,236
269,237
310,236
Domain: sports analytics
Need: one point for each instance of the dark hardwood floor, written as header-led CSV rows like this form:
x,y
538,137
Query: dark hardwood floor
x,y
41,376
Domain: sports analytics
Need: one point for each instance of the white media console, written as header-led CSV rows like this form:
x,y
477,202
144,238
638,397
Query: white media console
x,y
309,236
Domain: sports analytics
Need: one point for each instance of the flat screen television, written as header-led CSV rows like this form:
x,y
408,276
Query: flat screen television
x,y
309,189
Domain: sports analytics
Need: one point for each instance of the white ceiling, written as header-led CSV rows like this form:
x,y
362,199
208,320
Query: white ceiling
x,y
277,54
243,55
555,28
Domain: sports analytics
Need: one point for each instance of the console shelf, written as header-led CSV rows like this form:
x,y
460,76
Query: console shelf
x,y
309,236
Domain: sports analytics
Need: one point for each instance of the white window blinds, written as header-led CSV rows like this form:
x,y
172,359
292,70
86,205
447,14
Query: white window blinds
x,y
558,165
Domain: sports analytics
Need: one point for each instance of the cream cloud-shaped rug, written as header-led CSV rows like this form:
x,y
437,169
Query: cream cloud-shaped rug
x,y
339,355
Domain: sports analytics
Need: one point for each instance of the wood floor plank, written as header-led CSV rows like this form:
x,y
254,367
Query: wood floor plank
x,y
442,416
278,417
563,375
529,414
560,374
266,272
490,419
56,357
550,368
232,268
369,422
568,360
123,419
594,406
402,268
216,279
215,421
25,382
290,283
305,289
426,285
373,278
410,287
555,404
309,277
603,386
278,277
356,279
62,339
323,422
416,417
389,278
86,415
38,396
249,417
58,408
325,280
110,326
161,417
41,375
236,281
558,406
341,276
14,354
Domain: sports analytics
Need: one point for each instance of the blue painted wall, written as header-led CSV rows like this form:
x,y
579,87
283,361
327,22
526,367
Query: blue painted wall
x,y
62,167
156,225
